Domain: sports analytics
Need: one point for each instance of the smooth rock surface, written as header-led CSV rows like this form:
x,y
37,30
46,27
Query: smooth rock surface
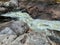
x,y
19,27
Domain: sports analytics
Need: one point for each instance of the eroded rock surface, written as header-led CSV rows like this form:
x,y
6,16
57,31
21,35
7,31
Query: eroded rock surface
x,y
25,39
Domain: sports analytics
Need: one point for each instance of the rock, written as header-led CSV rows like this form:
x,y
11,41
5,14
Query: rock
x,y
13,3
1,3
53,40
39,0
6,19
36,39
56,14
2,9
7,39
19,27
31,39
4,0
10,3
36,9
4,25
7,31
20,40
40,9
6,4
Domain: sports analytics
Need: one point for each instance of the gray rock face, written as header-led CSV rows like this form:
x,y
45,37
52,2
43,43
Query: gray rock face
x,y
7,30
1,3
6,4
25,39
10,3
7,39
3,9
36,39
13,2
19,27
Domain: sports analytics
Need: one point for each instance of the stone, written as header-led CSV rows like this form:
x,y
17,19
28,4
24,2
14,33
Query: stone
x,y
2,9
20,40
19,27
1,3
7,31
56,14
53,40
13,3
7,39
31,39
39,9
36,39
4,0
6,4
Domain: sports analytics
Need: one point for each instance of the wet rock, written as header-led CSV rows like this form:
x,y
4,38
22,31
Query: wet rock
x,y
19,27
6,19
54,40
4,25
34,8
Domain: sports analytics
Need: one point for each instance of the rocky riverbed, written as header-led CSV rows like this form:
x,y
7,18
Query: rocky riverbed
x,y
32,22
